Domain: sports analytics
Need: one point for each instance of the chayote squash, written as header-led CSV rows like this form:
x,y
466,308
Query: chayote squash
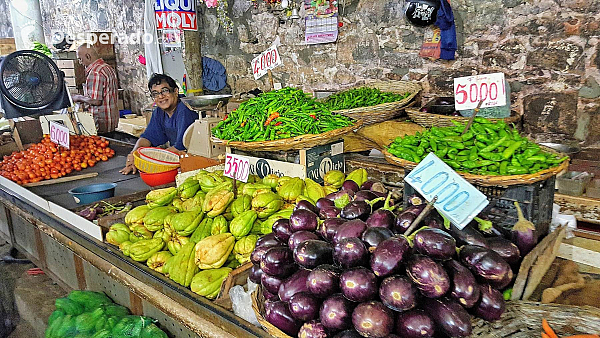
x,y
207,283
244,247
186,222
241,225
188,188
177,241
212,252
266,204
117,234
182,266
155,218
161,197
157,261
202,231
136,215
219,225
143,249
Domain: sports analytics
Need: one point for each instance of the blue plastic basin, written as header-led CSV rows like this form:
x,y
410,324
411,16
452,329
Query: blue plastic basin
x,y
93,192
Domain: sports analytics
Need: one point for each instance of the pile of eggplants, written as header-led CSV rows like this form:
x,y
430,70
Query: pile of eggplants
x,y
344,268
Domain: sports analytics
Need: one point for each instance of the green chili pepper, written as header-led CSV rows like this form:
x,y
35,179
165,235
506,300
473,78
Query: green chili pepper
x,y
493,145
512,170
433,144
508,152
452,153
476,164
491,156
538,158
456,145
468,135
504,168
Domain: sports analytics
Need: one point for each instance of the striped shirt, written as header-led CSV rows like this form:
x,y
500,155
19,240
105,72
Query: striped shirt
x,y
101,84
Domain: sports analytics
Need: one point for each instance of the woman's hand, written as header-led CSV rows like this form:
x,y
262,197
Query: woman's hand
x,y
129,166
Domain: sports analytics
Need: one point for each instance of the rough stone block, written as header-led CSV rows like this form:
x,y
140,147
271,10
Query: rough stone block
x,y
554,112
559,56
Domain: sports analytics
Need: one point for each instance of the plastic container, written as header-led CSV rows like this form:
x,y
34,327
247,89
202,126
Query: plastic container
x,y
155,179
151,167
94,192
575,187
593,189
536,201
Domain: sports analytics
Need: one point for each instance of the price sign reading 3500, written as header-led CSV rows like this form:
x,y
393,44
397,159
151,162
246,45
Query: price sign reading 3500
x,y
237,167
457,199
489,88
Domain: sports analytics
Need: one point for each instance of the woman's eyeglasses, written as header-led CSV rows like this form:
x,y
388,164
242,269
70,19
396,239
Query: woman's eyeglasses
x,y
164,91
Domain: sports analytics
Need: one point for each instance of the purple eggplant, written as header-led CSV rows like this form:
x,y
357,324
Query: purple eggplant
x,y
388,256
381,218
336,313
356,209
268,239
398,293
300,236
323,281
329,212
435,243
365,195
278,261
415,324
348,334
350,252
435,221
270,296
304,306
259,251
255,274
88,213
350,185
294,284
416,209
464,288
367,185
358,284
416,200
449,317
271,283
354,228
375,235
313,253
491,306
403,222
303,219
328,228
373,319
278,314
429,276
468,236
505,248
486,264
523,233
312,329
304,204
282,230
324,202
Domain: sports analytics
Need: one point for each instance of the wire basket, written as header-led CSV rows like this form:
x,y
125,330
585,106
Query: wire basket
x,y
158,155
151,167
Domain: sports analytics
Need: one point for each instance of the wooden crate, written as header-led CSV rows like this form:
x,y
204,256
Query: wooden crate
x,y
7,46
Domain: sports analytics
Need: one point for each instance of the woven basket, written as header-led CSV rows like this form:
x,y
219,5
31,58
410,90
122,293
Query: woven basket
x,y
292,143
258,305
524,320
149,166
436,120
385,111
492,180
158,155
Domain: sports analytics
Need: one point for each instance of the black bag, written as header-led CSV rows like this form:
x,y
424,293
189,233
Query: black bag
x,y
421,12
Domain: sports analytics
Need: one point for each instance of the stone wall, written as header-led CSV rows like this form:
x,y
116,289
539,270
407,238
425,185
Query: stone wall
x,y
548,50
122,18
6,30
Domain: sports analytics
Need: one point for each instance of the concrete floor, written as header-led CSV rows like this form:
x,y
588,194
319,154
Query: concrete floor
x,y
26,301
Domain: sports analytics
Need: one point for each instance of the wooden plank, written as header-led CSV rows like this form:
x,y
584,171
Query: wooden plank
x,y
137,308
65,64
530,267
69,72
79,272
61,180
579,255
585,209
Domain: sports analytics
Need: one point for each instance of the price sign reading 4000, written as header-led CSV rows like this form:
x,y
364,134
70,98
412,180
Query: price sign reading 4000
x,y
489,88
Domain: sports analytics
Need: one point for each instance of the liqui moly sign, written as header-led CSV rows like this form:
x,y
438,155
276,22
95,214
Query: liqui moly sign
x,y
176,14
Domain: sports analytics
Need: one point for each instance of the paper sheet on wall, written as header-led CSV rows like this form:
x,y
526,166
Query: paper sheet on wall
x,y
321,21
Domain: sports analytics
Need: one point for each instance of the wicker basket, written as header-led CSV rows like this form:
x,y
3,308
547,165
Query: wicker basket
x,y
292,143
151,167
158,155
258,305
436,120
385,111
492,180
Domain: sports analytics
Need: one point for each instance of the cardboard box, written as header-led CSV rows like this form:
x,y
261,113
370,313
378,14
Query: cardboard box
x,y
200,143
8,148
312,163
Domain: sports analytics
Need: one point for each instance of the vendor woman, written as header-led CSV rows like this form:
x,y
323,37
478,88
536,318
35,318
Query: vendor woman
x,y
169,121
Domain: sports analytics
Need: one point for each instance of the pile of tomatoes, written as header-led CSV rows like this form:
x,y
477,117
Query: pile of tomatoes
x,y
46,160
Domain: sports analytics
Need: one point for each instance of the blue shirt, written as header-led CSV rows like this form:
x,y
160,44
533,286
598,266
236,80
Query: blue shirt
x,y
163,128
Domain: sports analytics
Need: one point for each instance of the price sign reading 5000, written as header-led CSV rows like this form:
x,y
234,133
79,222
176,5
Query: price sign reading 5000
x,y
489,88
457,199
237,167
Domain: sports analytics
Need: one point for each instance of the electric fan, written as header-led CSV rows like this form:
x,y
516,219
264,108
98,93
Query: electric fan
x,y
31,84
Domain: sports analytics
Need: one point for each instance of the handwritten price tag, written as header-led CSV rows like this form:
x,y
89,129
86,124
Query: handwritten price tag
x,y
237,167
268,59
489,88
458,200
59,134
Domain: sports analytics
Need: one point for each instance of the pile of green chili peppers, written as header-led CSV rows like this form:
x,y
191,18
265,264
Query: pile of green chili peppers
x,y
361,97
487,148
280,114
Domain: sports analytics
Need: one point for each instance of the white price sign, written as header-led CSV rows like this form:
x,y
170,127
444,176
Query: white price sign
x,y
457,199
267,60
489,88
59,134
237,167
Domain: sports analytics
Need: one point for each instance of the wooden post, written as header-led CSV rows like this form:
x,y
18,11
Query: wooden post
x,y
271,79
